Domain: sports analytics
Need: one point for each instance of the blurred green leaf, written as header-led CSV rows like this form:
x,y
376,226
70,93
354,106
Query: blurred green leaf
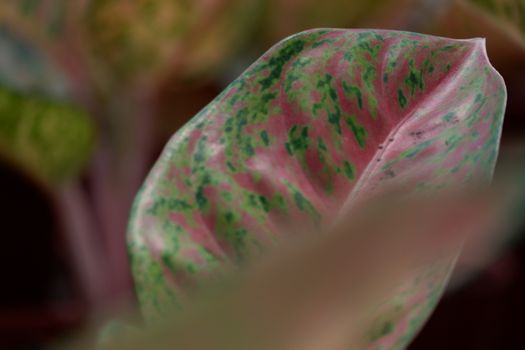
x,y
147,39
509,13
285,17
316,292
48,140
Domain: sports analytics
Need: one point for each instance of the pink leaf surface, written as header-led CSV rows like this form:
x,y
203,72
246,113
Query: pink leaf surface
x,y
323,120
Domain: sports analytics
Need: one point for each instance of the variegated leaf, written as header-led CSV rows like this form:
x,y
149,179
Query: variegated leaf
x,y
323,120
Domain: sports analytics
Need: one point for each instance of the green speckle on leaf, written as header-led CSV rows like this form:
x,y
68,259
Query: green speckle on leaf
x,y
449,117
321,144
301,202
265,138
412,152
277,62
265,203
358,130
349,170
297,140
401,98
414,79
355,91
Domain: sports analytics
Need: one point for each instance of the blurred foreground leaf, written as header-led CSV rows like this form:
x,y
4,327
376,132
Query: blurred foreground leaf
x,y
324,291
48,140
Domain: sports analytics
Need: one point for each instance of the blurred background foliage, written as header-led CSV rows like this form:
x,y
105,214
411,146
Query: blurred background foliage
x,y
48,140
90,91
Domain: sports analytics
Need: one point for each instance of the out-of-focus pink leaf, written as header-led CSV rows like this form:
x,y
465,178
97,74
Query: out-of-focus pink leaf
x,y
325,119
41,48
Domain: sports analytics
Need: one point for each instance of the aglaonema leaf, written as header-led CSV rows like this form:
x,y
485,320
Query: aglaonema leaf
x,y
49,140
322,121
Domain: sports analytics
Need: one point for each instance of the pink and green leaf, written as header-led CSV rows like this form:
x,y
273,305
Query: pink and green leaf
x,y
323,120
